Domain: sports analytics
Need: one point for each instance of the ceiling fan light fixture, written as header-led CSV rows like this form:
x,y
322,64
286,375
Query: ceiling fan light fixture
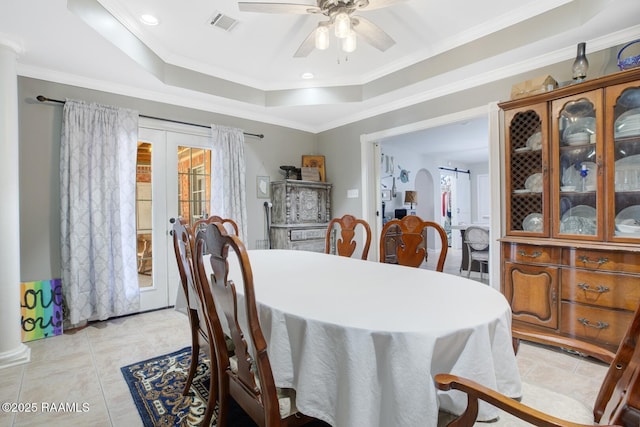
x,y
342,24
349,43
322,38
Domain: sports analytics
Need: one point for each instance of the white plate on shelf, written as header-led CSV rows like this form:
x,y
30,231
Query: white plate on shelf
x,y
632,162
535,141
582,211
577,225
533,222
521,191
580,131
629,226
628,220
628,124
522,149
580,138
568,188
534,183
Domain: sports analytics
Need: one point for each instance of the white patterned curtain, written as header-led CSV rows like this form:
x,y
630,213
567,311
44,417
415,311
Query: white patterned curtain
x,y
228,189
98,230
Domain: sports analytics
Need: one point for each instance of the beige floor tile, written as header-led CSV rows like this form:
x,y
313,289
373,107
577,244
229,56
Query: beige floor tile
x,y
59,347
95,415
84,366
10,380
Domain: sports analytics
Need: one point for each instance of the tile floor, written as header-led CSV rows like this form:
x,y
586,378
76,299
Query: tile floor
x,y
452,265
83,366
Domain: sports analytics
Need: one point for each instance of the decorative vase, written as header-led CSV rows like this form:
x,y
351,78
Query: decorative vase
x,y
580,65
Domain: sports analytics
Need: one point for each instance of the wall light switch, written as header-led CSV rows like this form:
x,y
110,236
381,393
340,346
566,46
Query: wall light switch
x,y
352,194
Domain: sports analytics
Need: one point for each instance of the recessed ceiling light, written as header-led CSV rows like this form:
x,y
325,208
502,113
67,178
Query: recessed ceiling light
x,y
307,76
149,20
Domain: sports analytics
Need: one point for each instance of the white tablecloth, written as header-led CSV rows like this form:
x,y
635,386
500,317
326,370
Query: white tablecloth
x,y
360,341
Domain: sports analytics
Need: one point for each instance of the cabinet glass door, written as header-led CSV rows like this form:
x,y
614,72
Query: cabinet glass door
x,y
526,172
577,163
623,127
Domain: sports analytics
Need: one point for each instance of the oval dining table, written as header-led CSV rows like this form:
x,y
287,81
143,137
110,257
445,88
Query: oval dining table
x,y
360,341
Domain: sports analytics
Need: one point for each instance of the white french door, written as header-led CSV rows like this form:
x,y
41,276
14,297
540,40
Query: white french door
x,y
177,172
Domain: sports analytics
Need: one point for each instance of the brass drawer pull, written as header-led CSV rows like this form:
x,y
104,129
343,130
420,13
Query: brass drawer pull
x,y
585,259
536,254
598,289
599,325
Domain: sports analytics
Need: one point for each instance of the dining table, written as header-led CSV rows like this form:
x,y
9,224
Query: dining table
x,y
360,341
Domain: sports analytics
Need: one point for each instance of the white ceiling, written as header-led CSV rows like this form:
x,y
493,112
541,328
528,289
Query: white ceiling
x,y
441,47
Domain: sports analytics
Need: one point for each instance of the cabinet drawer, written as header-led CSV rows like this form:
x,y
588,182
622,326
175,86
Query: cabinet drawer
x,y
532,292
595,324
308,245
308,234
628,262
518,252
602,289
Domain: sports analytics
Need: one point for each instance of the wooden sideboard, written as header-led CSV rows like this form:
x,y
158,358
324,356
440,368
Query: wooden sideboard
x,y
571,249
300,215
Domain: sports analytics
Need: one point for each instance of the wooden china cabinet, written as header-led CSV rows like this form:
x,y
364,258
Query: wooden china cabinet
x,y
571,250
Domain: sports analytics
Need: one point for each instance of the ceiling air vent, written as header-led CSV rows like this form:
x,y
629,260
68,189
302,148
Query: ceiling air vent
x,y
222,21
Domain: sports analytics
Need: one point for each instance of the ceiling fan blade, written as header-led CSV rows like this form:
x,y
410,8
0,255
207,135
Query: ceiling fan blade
x,y
307,45
371,33
246,6
379,4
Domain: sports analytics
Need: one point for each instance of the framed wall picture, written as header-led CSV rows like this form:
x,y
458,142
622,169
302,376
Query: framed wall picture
x,y
262,187
315,162
386,195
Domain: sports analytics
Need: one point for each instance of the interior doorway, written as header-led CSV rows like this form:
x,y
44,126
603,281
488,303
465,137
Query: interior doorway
x,y
372,166
371,172
455,187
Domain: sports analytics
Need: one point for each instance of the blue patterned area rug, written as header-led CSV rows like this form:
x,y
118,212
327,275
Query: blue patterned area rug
x,y
156,386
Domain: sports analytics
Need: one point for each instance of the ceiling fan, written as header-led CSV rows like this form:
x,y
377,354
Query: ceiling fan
x,y
345,25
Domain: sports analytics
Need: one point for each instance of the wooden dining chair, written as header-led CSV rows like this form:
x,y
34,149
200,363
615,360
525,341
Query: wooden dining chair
x,y
404,241
246,376
476,240
229,224
618,401
183,246
345,244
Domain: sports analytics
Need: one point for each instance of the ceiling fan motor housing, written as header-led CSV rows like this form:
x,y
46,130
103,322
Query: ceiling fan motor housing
x,y
332,7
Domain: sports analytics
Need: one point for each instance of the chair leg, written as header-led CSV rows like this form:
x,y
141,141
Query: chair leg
x,y
213,392
195,350
223,399
482,267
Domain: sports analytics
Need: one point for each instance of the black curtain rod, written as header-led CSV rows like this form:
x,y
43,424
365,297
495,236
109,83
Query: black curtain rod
x,y
455,170
257,135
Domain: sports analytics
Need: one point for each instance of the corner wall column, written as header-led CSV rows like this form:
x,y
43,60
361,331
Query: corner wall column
x,y
12,350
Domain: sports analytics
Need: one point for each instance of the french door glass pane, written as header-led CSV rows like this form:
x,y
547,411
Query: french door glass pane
x,y
194,183
143,215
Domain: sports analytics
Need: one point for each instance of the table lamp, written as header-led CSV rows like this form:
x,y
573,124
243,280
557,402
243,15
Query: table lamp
x,y
411,197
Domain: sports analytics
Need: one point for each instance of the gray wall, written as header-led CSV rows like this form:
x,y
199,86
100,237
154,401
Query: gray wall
x,y
341,146
40,125
40,144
